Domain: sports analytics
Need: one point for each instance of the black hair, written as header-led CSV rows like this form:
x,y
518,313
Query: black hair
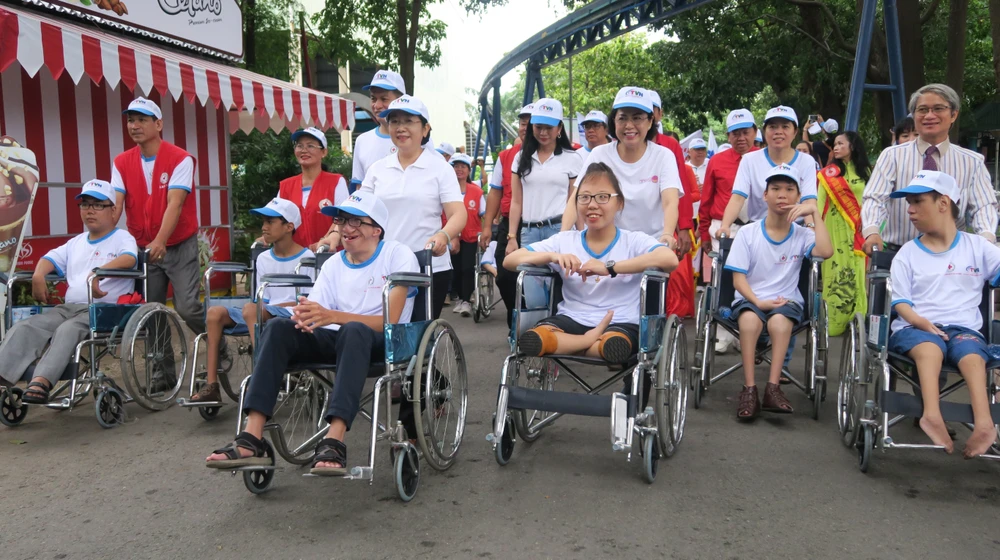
x,y
530,146
904,126
604,170
650,135
859,156
423,123
809,146
795,125
671,134
954,207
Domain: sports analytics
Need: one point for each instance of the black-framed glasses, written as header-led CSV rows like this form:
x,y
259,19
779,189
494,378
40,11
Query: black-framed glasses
x,y
93,206
601,198
354,222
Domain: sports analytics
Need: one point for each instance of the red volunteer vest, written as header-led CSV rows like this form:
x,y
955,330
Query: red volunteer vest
x,y
506,157
685,208
144,211
474,225
315,224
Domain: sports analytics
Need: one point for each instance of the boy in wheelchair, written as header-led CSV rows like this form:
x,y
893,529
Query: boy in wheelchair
x,y
937,287
766,261
341,322
601,268
280,218
66,325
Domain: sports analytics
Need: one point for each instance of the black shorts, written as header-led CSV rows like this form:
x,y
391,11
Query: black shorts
x,y
569,326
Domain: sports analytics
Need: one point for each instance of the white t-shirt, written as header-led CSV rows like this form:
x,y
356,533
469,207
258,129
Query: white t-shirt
x,y
269,263
772,267
642,183
588,302
699,171
340,193
357,288
945,288
79,256
369,148
415,199
490,254
181,178
496,177
545,190
751,180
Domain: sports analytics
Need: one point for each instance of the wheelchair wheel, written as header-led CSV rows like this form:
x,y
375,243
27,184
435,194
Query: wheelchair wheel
x,y
109,408
300,416
671,387
154,348
865,446
407,471
650,457
208,413
242,367
489,294
532,373
699,313
477,299
705,358
12,409
259,481
505,447
854,382
439,413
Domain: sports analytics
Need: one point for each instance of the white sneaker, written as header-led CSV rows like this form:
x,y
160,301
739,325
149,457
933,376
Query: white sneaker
x,y
457,308
465,309
722,346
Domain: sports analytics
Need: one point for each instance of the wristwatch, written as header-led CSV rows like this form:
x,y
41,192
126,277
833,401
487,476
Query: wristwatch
x,y
610,265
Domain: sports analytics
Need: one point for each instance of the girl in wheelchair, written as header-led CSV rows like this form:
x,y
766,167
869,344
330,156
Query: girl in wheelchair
x,y
601,268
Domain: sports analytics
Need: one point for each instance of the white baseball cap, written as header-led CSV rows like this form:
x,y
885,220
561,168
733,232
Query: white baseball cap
x,y
311,131
927,181
407,104
784,171
144,106
759,137
547,111
739,118
655,97
101,190
697,144
446,148
387,79
831,126
281,208
782,112
362,203
595,116
461,158
724,147
527,110
635,98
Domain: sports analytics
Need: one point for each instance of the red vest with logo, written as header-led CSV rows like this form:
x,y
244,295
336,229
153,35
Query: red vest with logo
x,y
315,224
474,225
506,157
144,210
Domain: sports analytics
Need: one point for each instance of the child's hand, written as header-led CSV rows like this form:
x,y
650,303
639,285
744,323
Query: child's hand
x,y
800,211
927,326
595,268
772,304
568,263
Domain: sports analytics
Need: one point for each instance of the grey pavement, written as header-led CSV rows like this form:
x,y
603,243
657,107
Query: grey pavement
x,y
783,487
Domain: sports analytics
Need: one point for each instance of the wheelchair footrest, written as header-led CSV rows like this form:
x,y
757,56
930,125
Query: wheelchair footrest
x,y
184,403
910,405
578,404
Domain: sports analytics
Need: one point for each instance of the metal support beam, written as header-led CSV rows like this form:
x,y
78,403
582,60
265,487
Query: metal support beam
x,y
861,56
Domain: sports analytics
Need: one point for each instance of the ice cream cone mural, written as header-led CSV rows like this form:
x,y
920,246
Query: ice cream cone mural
x,y
116,6
18,178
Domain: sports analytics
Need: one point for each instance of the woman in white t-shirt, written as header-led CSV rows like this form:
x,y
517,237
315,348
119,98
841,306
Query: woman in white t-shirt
x,y
418,187
601,268
647,171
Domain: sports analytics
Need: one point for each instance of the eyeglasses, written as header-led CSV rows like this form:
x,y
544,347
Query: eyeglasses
x,y
937,110
95,206
634,119
396,122
300,147
601,198
353,222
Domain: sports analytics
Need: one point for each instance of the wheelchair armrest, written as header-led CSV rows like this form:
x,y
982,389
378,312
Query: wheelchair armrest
x,y
410,279
817,260
656,274
228,267
307,262
116,273
532,270
288,280
25,276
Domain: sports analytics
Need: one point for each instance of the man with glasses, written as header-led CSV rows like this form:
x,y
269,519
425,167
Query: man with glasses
x,y
154,181
66,325
885,221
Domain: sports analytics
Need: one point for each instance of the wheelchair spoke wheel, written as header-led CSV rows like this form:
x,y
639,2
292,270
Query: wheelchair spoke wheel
x,y
532,373
488,293
407,471
705,357
154,356
109,408
12,409
860,379
439,413
650,456
505,447
241,356
672,388
259,481
300,416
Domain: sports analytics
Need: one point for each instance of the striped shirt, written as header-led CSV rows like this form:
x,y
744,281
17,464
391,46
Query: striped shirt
x,y
898,165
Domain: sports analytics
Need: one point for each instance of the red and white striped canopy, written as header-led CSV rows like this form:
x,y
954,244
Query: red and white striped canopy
x,y
63,47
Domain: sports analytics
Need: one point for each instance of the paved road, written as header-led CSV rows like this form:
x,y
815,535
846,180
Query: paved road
x,y
780,488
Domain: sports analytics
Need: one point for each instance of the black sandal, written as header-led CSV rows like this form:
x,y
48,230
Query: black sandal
x,y
36,393
330,450
234,461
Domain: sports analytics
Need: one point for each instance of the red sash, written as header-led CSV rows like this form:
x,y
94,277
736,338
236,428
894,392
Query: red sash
x,y
839,191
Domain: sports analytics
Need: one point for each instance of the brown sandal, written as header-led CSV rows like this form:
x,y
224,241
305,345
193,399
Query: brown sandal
x,y
775,400
209,393
749,404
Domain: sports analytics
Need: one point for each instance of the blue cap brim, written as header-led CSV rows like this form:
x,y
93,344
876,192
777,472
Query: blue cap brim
x,y
594,121
93,194
301,133
740,126
632,106
146,112
385,113
334,210
267,212
541,119
388,87
911,189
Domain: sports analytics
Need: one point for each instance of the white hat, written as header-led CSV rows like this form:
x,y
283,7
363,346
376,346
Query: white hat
x,y
784,171
547,111
697,144
101,190
281,208
724,147
635,98
527,110
656,98
740,118
595,116
831,126
362,203
145,107
387,79
311,132
446,148
461,158
759,137
927,181
782,112
407,104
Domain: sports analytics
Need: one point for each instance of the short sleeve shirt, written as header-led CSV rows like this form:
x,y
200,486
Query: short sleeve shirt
x,y
772,266
80,255
490,254
369,148
588,302
945,288
545,190
182,177
751,180
269,263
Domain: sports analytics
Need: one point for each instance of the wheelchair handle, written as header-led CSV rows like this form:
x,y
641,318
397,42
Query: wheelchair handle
x,y
287,280
409,279
656,273
532,270
324,248
229,267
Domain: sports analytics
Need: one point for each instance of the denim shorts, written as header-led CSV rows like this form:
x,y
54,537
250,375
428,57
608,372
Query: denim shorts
x,y
236,314
961,342
792,310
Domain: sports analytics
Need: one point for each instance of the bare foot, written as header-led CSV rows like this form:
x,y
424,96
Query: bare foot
x,y
979,442
596,332
938,432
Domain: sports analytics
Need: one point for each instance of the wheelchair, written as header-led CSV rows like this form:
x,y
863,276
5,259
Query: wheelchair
x,y
527,400
145,338
713,312
484,298
867,400
424,361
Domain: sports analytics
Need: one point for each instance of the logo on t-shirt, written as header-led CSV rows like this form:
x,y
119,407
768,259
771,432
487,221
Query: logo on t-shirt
x,y
472,204
971,270
653,179
164,178
393,150
784,258
325,203
951,267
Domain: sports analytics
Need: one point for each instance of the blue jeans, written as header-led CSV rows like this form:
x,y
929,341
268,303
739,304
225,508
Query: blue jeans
x,y
535,292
